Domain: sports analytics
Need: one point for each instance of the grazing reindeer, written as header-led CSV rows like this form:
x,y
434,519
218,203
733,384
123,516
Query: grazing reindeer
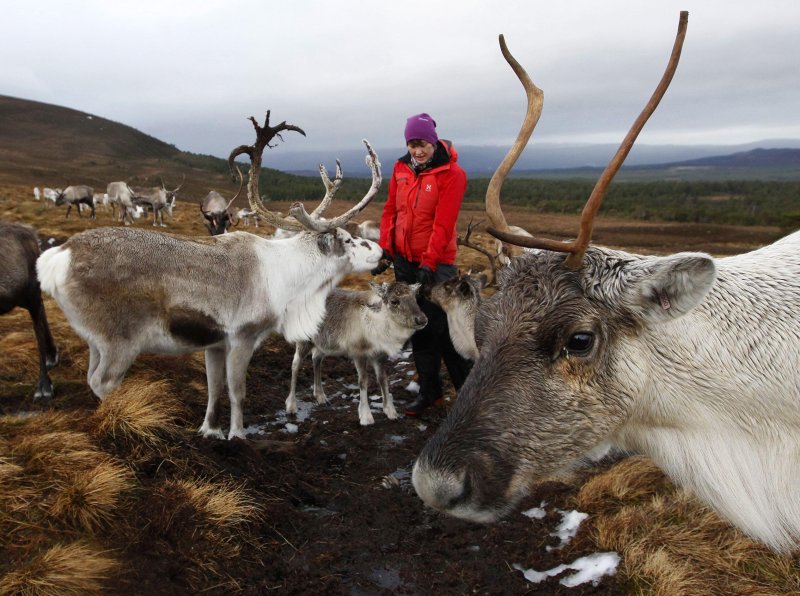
x,y
368,327
50,196
19,287
158,199
77,195
120,197
222,294
216,210
460,298
688,359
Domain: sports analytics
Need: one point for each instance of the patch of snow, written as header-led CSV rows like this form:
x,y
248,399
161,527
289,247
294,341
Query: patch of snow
x,y
290,428
566,530
591,568
536,512
412,387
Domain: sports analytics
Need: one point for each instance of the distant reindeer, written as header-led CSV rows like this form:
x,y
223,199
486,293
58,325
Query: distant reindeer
x,y
224,294
120,197
158,199
688,359
367,327
77,195
216,210
246,216
19,287
50,196
36,194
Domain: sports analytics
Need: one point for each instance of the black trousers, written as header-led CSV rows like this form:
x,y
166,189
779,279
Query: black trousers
x,y
431,344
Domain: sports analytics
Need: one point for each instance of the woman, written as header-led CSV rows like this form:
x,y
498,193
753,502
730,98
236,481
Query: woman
x,y
418,236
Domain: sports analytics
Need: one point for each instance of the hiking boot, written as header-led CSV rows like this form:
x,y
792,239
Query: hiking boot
x,y
422,402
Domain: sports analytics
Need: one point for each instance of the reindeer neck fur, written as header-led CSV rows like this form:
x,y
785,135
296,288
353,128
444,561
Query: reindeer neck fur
x,y
309,277
461,322
719,410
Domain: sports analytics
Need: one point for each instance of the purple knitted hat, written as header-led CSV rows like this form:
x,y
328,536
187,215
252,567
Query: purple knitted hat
x,y
421,126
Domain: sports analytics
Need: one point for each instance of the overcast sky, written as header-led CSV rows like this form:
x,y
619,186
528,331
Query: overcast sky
x,y
191,72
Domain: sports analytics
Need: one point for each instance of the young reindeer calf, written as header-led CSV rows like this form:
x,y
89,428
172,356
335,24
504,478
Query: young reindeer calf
x,y
368,327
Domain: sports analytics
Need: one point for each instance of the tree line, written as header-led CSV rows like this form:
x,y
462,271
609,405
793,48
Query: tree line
x,y
735,202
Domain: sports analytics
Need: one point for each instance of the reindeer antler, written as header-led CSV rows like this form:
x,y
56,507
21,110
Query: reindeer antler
x,y
299,218
466,242
577,248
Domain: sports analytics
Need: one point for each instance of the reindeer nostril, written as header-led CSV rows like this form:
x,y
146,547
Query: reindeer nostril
x,y
421,321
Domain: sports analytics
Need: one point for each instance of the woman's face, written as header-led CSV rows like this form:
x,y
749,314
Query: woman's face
x,y
421,151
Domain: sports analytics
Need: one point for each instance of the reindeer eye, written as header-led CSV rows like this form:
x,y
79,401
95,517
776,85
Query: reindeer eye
x,y
579,343
394,302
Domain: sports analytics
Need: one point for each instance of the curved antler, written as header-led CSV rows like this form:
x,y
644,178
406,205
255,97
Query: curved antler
x,y
535,103
577,248
264,134
299,218
319,225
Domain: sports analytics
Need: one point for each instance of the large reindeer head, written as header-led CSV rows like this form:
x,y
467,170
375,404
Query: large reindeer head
x,y
562,355
299,218
577,248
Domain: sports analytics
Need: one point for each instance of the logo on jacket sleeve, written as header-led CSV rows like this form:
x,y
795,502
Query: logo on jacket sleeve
x,y
428,187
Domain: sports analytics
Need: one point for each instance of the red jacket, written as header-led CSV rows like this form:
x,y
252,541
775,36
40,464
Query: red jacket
x,y
419,219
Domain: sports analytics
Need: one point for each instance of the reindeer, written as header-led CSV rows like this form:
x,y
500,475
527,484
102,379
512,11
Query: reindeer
x,y
77,195
158,199
120,197
19,245
224,294
216,210
688,359
460,298
368,327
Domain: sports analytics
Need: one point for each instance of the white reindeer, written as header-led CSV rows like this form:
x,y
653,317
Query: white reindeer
x,y
367,327
688,359
37,195
222,294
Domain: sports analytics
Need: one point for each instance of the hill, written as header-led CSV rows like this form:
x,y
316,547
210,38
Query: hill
x,y
47,145
755,164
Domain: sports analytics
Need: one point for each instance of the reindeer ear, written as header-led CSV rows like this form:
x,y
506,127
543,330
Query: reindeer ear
x,y
379,289
414,288
483,280
665,288
464,288
325,243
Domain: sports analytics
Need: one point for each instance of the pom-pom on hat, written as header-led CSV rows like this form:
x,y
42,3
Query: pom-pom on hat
x,y
421,126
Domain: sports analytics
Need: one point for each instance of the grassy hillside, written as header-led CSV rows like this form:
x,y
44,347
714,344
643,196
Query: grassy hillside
x,y
47,145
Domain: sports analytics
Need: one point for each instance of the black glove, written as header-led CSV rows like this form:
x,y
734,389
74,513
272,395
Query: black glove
x,y
385,262
425,277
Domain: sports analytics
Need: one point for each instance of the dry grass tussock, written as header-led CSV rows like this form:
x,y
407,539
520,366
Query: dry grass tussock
x,y
671,544
218,504
138,412
20,354
62,570
92,499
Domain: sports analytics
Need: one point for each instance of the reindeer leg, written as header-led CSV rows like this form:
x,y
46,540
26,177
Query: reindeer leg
x,y
388,400
48,352
365,417
236,362
215,377
300,351
317,356
110,368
